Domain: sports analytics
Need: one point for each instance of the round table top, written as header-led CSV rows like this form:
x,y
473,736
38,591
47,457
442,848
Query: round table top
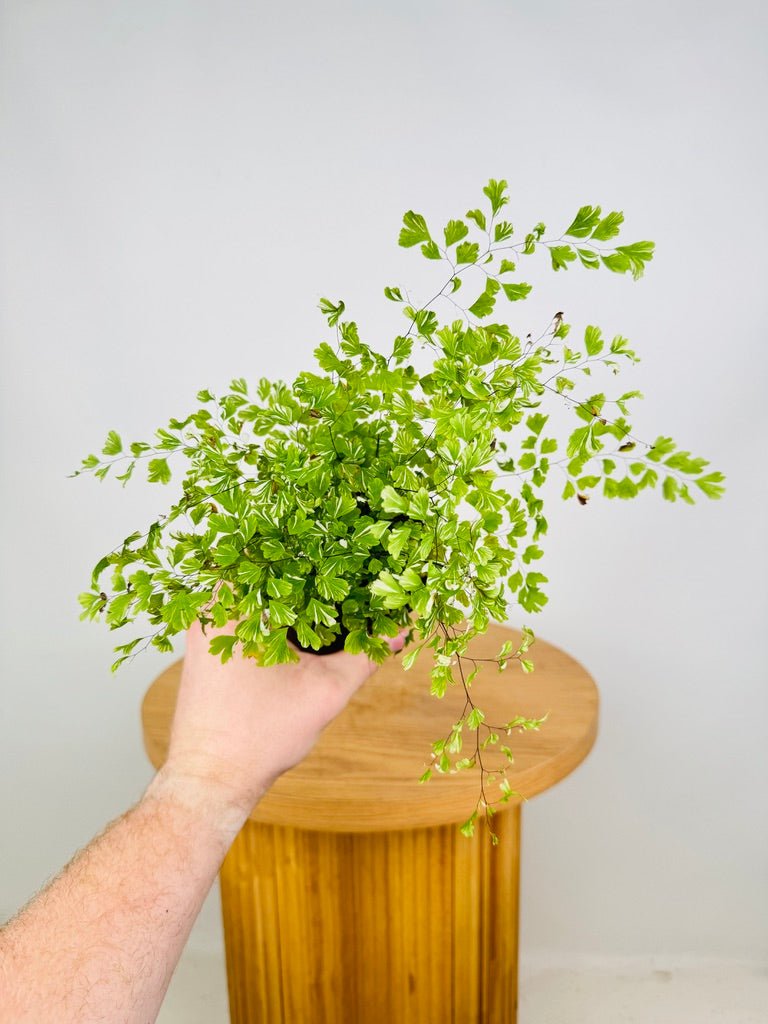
x,y
362,775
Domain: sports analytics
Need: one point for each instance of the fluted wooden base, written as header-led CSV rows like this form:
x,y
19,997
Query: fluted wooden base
x,y
404,927
350,897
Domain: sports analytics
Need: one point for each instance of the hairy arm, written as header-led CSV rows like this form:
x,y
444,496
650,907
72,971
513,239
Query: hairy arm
x,y
101,942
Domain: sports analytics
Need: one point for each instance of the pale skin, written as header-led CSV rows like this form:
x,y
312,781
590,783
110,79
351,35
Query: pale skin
x,y
101,941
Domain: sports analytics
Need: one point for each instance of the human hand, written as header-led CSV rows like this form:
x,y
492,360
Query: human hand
x,y
238,726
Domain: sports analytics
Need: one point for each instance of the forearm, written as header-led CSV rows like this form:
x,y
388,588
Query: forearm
x,y
101,942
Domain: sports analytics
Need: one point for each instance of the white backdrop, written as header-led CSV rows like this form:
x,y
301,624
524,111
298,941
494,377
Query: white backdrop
x,y
181,183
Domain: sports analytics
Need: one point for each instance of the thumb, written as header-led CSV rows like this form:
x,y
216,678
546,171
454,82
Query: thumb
x,y
397,643
354,669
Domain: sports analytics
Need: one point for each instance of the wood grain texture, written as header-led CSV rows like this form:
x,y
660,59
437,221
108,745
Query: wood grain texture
x,y
376,908
410,926
362,776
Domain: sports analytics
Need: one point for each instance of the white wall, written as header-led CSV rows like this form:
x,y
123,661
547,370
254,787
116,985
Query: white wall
x,y
183,180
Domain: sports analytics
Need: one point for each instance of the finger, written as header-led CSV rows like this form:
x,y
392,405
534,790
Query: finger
x,y
397,643
351,670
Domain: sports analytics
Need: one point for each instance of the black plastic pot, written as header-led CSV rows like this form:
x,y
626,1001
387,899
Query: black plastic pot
x,y
332,648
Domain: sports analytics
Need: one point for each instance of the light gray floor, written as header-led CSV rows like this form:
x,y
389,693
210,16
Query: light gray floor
x,y
594,992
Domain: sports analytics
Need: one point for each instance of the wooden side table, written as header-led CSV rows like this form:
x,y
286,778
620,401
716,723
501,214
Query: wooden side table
x,y
350,896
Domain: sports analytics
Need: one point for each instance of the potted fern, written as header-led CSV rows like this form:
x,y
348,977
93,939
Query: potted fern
x,y
365,495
